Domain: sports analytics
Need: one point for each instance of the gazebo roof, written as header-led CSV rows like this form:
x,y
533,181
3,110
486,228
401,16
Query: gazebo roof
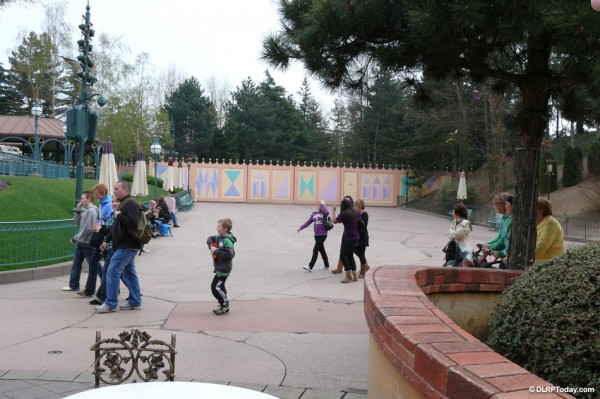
x,y
24,126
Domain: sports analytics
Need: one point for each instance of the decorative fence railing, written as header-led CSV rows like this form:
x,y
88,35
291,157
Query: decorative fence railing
x,y
574,227
15,165
37,243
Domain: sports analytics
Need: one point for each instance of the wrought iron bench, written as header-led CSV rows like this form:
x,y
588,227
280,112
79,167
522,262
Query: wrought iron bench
x,y
116,359
494,222
185,202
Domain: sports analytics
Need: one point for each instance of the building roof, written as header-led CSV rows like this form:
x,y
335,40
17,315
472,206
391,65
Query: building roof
x,y
24,126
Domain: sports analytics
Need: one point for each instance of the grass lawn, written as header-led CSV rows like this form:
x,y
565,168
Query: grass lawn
x,y
35,198
28,199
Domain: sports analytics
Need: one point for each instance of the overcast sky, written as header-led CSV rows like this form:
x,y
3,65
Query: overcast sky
x,y
216,38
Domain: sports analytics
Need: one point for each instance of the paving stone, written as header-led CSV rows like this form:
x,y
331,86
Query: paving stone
x,y
64,387
355,396
252,387
85,377
2,372
319,394
13,385
22,375
59,376
29,393
284,392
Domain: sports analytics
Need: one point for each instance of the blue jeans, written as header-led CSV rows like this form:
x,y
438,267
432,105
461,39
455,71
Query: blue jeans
x,y
101,294
89,254
122,266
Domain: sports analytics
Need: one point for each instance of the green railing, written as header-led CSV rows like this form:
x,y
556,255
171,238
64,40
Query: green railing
x,y
38,243
585,228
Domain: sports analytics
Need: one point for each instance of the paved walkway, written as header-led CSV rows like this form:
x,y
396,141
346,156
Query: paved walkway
x,y
290,333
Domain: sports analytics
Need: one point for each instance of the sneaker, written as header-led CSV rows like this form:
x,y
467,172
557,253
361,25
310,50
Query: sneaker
x,y
129,306
308,269
83,293
325,268
176,225
222,309
104,308
95,300
68,289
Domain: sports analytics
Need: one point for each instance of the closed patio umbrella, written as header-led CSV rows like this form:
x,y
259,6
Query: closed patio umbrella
x,y
108,166
168,181
139,188
179,176
461,195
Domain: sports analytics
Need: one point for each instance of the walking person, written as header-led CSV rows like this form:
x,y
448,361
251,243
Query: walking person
x,y
349,218
106,249
125,248
318,217
363,237
222,250
340,265
86,214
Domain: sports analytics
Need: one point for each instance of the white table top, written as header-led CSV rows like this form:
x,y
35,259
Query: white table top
x,y
168,390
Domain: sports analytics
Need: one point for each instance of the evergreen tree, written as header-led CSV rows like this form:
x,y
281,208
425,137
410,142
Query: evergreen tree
x,y
193,119
543,48
9,97
594,159
314,124
570,167
39,75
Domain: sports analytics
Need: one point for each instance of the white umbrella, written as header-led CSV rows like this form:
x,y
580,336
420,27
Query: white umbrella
x,y
179,176
168,182
108,167
462,187
139,188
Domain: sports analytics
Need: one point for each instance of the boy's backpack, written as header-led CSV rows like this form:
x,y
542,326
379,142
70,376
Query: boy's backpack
x,y
143,232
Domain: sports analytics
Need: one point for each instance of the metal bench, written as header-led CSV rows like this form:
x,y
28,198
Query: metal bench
x,y
494,222
185,202
116,359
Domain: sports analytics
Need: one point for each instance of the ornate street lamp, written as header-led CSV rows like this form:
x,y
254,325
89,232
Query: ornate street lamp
x,y
155,149
36,111
189,164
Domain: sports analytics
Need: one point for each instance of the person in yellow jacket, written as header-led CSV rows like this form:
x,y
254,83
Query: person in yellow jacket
x,y
550,238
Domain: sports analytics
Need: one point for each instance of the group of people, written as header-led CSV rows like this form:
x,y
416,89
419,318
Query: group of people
x,y
162,216
355,238
104,235
549,243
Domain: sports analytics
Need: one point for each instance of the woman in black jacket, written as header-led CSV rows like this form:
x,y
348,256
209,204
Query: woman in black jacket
x,y
363,241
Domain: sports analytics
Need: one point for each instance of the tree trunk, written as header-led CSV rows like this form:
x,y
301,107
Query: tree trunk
x,y
531,123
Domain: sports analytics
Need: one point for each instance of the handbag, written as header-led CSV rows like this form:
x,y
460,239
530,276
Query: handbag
x,y
97,239
328,223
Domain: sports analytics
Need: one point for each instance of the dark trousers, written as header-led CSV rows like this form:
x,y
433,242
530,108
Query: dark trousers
x,y
101,293
346,254
218,289
319,248
359,250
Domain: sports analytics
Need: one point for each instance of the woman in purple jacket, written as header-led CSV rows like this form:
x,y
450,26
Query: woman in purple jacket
x,y
317,217
349,217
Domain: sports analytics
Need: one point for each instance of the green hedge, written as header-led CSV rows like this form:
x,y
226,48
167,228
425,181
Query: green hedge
x,y
150,179
549,321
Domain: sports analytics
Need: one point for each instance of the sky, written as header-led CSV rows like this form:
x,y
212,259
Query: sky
x,y
221,39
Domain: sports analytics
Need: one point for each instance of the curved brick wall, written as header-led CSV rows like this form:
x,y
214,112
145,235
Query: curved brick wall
x,y
427,348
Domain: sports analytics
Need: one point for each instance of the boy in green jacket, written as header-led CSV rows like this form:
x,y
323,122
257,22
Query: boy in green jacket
x,y
222,251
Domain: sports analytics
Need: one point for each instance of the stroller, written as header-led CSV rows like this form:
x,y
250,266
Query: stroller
x,y
483,259
454,255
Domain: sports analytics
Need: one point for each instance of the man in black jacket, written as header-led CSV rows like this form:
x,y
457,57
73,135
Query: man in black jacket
x,y
125,248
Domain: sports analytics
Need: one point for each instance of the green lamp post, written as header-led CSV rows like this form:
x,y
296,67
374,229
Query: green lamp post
x,y
155,149
81,119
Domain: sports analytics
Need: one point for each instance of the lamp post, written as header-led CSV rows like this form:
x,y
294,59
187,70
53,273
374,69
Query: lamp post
x,y
189,164
36,111
155,149
549,173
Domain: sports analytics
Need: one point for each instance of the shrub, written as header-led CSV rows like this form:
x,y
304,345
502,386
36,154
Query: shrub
x,y
549,320
447,193
3,185
594,159
149,179
571,167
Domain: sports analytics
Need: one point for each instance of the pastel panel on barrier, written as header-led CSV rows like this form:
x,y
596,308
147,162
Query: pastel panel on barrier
x,y
260,184
307,186
328,185
281,184
207,183
233,185
351,184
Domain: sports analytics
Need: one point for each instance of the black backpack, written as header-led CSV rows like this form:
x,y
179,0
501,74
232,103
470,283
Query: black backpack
x,y
143,232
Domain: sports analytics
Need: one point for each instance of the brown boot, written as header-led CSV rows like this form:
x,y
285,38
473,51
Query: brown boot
x,y
339,268
363,270
347,278
354,275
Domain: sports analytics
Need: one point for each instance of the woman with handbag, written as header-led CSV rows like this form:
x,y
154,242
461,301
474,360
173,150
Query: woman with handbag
x,y
321,224
459,231
363,240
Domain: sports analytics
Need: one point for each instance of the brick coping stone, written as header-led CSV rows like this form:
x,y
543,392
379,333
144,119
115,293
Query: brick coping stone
x,y
438,357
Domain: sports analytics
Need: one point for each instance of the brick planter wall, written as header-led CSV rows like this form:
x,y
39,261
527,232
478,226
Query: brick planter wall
x,y
437,357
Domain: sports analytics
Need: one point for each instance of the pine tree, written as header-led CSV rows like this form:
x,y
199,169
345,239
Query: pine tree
x,y
9,97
